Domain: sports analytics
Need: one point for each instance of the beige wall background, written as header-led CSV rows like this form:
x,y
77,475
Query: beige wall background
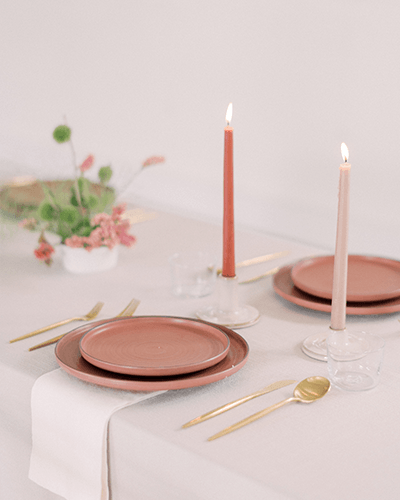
x,y
152,77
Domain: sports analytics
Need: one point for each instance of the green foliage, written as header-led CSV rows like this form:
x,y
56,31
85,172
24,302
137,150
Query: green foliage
x,y
46,211
64,231
106,200
105,174
73,200
62,133
92,201
84,187
83,228
70,215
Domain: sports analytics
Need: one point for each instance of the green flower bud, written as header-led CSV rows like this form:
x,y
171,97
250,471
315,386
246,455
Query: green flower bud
x,y
105,174
62,133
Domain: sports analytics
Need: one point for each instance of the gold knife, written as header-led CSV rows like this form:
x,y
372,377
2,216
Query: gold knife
x,y
237,402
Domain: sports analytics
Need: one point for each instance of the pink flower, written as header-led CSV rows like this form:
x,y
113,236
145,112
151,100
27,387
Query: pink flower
x,y
87,163
74,242
153,160
28,224
101,219
125,238
118,211
44,252
110,231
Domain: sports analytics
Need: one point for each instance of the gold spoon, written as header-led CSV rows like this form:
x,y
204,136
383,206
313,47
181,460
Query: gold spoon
x,y
307,391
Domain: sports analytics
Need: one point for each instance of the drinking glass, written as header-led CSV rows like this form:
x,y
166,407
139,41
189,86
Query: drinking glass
x,y
354,359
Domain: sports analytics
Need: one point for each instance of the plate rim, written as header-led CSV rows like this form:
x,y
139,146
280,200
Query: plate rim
x,y
376,297
159,370
323,305
146,383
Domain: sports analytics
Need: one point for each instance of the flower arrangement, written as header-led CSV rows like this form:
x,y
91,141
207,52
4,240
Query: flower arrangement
x,y
81,218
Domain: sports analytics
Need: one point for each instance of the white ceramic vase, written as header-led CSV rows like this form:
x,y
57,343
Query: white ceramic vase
x,y
80,261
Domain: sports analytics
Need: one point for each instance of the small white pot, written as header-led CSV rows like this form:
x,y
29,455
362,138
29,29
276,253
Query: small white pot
x,y
80,261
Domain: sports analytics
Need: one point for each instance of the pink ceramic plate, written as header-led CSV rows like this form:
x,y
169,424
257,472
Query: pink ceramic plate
x,y
368,278
70,359
154,346
284,286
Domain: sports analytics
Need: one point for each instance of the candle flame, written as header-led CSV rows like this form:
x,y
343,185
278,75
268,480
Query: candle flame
x,y
345,152
229,114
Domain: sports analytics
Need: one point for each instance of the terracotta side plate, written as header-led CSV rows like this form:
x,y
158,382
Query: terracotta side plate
x,y
284,286
368,278
154,346
70,359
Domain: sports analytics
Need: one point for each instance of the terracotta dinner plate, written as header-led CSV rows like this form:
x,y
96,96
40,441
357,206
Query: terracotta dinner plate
x,y
284,286
368,278
154,346
70,359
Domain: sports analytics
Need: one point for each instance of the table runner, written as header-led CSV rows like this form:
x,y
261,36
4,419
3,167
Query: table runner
x,y
69,433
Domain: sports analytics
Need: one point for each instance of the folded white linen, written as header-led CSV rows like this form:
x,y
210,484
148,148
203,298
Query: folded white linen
x,y
69,434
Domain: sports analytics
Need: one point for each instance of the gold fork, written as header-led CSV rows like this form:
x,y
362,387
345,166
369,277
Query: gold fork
x,y
128,311
90,315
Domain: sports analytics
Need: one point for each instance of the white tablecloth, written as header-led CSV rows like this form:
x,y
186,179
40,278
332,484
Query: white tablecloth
x,y
344,447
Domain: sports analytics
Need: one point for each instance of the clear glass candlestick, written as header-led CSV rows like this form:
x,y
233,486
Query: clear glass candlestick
x,y
315,345
228,312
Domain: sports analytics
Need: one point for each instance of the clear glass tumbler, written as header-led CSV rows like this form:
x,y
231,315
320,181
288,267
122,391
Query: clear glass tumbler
x,y
354,359
193,274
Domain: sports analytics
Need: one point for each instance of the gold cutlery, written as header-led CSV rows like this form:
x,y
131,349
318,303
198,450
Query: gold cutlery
x,y
258,260
237,402
128,311
90,315
307,391
136,215
260,276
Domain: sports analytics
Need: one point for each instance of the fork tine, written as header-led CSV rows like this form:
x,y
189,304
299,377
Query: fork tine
x,y
130,308
91,314
128,311
95,311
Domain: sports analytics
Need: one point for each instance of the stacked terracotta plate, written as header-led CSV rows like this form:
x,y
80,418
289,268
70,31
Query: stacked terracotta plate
x,y
373,284
151,353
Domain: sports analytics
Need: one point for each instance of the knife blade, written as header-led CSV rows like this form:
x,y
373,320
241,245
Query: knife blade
x,y
237,402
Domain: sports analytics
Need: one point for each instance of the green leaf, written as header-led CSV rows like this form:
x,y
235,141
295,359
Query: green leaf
x,y
46,211
70,215
83,228
92,201
64,232
84,188
105,174
106,200
62,133
74,201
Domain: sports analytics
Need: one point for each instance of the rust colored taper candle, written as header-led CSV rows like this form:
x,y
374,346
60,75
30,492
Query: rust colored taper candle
x,y
228,264
228,311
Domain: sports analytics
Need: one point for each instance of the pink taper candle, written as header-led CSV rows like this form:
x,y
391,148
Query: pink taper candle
x,y
228,264
339,291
